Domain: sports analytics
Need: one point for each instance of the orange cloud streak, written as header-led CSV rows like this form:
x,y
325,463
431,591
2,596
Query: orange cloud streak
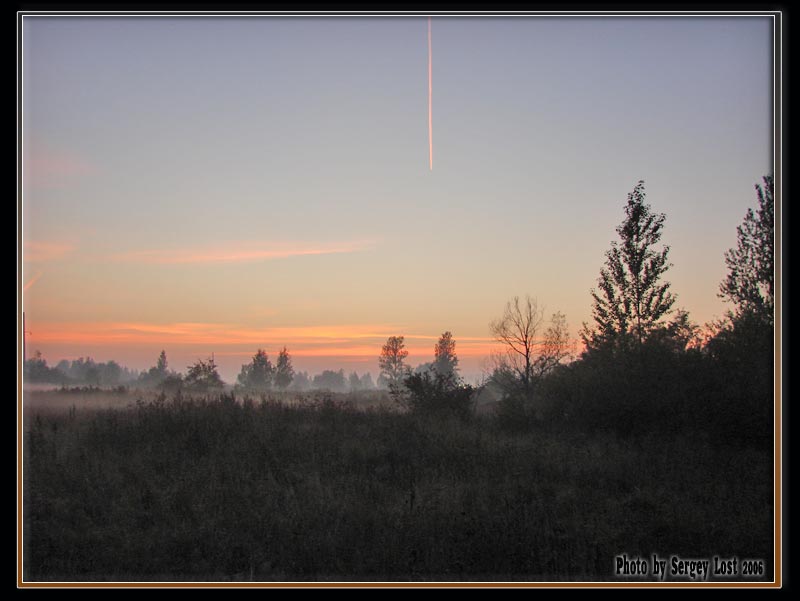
x,y
32,281
307,341
39,252
237,253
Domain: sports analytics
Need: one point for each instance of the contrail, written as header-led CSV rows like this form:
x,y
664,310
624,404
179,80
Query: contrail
x,y
430,97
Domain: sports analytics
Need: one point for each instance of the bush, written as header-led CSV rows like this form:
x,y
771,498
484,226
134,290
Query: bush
x,y
515,413
438,394
630,392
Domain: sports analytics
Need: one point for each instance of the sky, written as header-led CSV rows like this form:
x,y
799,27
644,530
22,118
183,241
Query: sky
x,y
222,184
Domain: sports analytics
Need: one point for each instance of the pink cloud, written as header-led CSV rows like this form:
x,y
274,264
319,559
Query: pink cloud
x,y
45,167
237,253
32,281
39,252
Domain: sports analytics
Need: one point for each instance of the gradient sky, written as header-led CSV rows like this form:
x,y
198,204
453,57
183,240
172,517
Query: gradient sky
x,y
220,184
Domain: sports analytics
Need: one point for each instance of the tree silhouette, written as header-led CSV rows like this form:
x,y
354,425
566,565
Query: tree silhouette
x,y
301,381
203,377
445,359
157,375
258,374
742,347
161,365
750,281
284,372
434,393
529,353
632,298
366,382
331,380
392,363
37,370
354,381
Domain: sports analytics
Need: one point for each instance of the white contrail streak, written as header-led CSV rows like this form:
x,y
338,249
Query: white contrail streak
x,y
430,100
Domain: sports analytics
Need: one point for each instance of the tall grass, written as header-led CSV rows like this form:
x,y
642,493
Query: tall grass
x,y
222,489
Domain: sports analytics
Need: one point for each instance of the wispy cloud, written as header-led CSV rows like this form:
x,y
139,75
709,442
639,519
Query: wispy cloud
x,y
239,253
46,167
356,340
32,281
39,252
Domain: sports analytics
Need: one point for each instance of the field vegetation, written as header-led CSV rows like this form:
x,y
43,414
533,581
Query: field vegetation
x,y
236,489
658,438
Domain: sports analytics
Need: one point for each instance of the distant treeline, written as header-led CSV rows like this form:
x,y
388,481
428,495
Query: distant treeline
x,y
201,377
83,371
644,366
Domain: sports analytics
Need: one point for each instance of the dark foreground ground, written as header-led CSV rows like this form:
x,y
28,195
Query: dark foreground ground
x,y
225,490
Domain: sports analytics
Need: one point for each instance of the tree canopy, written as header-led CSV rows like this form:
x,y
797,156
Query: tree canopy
x,y
284,372
392,360
258,374
632,298
445,360
750,280
203,376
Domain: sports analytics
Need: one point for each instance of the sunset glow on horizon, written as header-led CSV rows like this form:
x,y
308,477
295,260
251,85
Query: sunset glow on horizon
x,y
215,186
233,345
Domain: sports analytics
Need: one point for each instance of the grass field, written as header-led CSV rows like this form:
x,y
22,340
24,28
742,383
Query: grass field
x,y
326,490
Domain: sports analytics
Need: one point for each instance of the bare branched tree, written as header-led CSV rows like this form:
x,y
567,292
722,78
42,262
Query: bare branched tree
x,y
531,348
555,347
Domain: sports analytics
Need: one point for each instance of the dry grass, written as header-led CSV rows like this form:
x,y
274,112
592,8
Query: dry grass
x,y
323,491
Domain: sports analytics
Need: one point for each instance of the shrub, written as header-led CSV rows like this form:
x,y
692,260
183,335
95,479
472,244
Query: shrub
x,y
438,394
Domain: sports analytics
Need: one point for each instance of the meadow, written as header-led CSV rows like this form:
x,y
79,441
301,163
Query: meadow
x,y
341,487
